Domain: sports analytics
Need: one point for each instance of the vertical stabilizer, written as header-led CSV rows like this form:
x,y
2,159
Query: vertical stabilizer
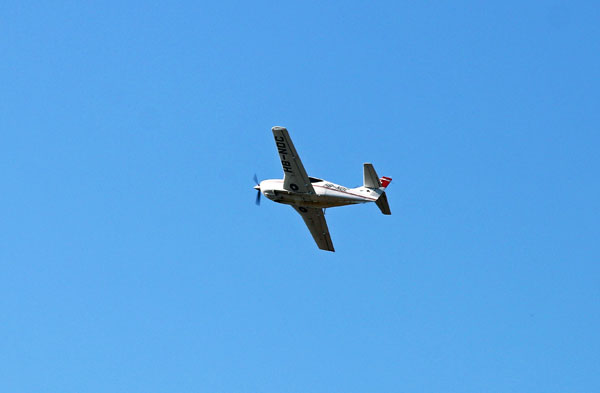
x,y
385,181
373,181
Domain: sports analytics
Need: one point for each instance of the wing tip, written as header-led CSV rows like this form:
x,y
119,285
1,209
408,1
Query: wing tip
x,y
331,249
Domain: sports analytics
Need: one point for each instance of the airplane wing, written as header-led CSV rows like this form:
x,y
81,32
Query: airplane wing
x,y
315,221
294,176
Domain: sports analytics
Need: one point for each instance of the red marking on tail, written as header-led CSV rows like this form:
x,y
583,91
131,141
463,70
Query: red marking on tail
x,y
385,181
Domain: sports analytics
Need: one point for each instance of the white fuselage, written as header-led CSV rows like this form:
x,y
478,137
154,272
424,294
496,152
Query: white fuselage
x,y
327,194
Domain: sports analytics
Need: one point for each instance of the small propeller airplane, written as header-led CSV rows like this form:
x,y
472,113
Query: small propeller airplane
x,y
309,196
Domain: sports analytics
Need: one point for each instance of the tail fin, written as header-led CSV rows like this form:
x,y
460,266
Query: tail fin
x,y
385,181
371,180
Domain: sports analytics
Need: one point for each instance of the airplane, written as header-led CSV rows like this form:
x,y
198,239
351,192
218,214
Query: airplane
x,y
309,196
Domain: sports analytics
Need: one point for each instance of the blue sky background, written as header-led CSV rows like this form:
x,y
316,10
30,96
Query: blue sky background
x,y
133,259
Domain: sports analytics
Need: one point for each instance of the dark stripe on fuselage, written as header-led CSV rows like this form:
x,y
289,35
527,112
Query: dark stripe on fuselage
x,y
346,192
331,189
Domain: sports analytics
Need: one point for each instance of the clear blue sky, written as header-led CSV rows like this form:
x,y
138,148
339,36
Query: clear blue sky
x,y
133,259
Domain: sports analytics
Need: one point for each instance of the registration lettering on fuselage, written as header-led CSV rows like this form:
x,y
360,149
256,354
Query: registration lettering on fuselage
x,y
335,187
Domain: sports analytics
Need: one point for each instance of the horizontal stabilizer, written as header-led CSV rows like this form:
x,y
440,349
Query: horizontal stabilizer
x,y
370,178
382,204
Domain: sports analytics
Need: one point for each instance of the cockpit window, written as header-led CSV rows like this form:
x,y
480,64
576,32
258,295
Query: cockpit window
x,y
315,180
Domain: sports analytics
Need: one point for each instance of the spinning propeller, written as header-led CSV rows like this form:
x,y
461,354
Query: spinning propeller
x,y
257,187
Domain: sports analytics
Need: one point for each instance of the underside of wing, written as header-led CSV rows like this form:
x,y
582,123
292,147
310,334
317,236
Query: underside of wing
x,y
315,221
294,176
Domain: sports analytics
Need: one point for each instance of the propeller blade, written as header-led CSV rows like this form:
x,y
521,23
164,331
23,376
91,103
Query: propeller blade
x,y
257,188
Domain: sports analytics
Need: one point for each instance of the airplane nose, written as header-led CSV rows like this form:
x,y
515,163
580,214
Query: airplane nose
x,y
256,187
